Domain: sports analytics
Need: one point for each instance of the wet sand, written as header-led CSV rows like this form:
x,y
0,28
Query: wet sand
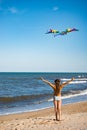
x,y
74,117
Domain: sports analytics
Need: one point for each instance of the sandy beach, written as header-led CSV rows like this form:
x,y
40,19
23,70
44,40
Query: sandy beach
x,y
74,118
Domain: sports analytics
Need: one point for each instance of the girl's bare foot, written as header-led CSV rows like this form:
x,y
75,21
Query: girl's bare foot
x,y
60,120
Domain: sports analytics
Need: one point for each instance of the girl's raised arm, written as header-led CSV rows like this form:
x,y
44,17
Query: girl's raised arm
x,y
49,83
63,84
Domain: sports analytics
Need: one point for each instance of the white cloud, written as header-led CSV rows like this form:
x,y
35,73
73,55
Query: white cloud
x,y
13,10
55,8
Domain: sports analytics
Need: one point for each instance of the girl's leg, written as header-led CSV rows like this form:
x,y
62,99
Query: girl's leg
x,y
59,103
55,109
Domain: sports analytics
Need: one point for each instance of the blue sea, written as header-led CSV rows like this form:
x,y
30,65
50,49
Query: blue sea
x,y
24,92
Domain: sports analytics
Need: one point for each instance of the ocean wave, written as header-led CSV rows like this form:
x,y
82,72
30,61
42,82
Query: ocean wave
x,y
77,94
76,81
73,94
22,98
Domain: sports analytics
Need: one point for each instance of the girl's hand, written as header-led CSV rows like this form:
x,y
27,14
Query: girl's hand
x,y
73,78
41,78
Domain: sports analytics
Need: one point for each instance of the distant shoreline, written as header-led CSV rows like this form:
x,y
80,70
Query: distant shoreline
x,y
68,100
41,109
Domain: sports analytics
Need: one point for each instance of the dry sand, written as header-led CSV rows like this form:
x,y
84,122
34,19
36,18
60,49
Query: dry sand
x,y
74,118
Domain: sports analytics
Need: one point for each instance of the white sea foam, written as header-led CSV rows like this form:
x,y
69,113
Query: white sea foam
x,y
82,79
78,82
74,95
63,79
17,112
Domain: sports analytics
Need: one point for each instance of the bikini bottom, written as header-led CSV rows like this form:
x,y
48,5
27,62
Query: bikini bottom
x,y
57,98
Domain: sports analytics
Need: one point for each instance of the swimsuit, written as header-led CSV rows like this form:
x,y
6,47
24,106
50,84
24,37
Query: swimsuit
x,y
57,98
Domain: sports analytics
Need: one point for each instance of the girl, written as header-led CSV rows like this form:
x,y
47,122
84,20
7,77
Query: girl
x,y
57,87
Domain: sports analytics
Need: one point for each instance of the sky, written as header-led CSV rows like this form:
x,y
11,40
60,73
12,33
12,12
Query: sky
x,y
24,46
